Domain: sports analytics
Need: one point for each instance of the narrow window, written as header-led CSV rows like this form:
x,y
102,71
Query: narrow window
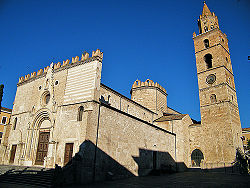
x,y
80,112
226,60
14,124
206,43
213,98
127,108
108,99
205,28
4,119
208,60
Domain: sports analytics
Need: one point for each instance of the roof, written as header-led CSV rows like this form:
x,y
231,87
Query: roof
x,y
6,109
127,98
246,129
206,10
170,117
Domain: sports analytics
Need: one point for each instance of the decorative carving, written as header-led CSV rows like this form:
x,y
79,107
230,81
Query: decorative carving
x,y
194,34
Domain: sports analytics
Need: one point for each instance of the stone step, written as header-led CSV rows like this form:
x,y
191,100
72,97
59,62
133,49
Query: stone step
x,y
21,176
19,179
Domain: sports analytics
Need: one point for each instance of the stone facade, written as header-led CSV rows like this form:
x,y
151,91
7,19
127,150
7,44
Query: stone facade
x,y
220,130
64,111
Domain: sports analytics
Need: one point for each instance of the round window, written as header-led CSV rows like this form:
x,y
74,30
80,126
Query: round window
x,y
211,79
56,82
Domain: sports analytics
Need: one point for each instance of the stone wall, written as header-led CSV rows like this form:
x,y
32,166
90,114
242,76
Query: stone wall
x,y
126,105
126,139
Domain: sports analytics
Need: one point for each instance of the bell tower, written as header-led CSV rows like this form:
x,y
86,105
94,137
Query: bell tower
x,y
218,102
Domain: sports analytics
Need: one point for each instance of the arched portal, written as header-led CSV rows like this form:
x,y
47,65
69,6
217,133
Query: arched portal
x,y
38,137
196,158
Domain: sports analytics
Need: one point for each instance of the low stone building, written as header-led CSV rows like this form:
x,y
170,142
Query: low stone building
x,y
64,111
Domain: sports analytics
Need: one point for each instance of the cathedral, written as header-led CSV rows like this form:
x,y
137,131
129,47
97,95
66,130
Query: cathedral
x,y
63,115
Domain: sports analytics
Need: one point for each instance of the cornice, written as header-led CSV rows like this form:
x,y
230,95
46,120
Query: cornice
x,y
216,68
218,85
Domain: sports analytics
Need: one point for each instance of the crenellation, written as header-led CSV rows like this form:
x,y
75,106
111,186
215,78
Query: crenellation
x,y
97,53
32,74
76,59
27,77
65,63
85,56
46,69
39,72
147,83
21,79
57,65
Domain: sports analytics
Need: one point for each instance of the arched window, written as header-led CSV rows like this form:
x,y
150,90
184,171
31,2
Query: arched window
x,y
80,112
14,124
213,98
205,28
206,43
208,59
196,158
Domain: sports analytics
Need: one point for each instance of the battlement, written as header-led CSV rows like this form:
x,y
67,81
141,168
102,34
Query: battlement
x,y
147,83
85,56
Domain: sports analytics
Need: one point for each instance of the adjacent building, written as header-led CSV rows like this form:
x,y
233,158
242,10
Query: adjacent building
x,y
5,114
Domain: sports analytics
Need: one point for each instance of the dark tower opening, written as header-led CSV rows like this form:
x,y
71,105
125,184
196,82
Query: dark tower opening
x,y
206,43
208,59
213,98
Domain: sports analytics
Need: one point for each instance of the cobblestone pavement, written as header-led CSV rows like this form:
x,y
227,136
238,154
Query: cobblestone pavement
x,y
185,179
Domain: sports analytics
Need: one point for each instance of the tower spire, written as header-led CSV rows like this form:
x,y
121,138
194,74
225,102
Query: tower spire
x,y
207,20
206,11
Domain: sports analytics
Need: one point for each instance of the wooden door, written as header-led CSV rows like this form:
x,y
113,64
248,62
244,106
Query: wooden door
x,y
68,152
42,147
12,153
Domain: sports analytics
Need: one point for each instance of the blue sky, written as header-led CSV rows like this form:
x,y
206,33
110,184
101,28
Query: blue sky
x,y
140,39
